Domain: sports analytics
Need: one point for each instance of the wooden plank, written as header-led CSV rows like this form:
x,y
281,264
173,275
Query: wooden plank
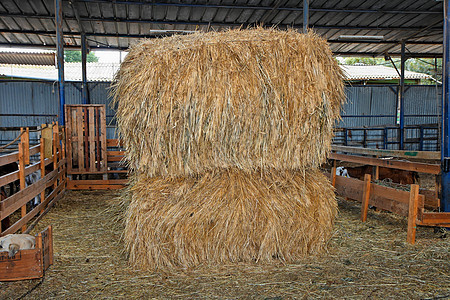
x,y
435,218
393,164
115,158
86,138
412,214
349,187
46,134
431,199
69,145
390,199
23,210
32,168
5,179
365,198
80,148
26,141
35,149
96,184
114,143
26,264
91,111
103,147
14,202
23,221
430,155
55,156
97,130
116,153
42,165
117,171
9,158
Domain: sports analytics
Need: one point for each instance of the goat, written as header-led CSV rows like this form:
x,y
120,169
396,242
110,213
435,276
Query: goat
x,y
12,243
31,179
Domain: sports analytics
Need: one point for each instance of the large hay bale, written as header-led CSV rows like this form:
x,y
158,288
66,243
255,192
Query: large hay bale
x,y
228,215
250,99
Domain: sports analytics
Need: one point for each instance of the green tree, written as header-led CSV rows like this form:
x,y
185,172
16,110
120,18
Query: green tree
x,y
363,60
75,56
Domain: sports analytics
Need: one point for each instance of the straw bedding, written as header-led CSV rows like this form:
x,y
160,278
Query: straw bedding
x,y
224,133
251,99
228,216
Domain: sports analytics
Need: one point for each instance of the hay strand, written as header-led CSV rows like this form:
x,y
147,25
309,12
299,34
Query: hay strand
x,y
228,216
247,99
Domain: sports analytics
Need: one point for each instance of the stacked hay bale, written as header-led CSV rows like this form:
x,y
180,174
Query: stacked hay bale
x,y
224,134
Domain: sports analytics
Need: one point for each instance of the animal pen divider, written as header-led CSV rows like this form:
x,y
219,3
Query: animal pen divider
x,y
50,187
89,152
411,204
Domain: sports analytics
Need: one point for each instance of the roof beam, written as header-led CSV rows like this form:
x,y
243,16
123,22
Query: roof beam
x,y
138,36
120,20
269,8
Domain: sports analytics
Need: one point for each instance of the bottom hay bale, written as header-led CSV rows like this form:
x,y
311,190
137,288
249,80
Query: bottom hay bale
x,y
228,215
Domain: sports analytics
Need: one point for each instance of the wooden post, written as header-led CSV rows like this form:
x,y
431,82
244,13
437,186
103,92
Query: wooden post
x,y
55,157
103,144
366,197
333,176
22,178
50,245
42,165
25,139
412,213
46,134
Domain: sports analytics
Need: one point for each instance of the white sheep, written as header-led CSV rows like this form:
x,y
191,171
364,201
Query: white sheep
x,y
12,243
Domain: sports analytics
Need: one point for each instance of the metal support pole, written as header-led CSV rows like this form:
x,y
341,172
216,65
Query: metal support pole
x,y
305,15
60,57
445,142
402,96
84,84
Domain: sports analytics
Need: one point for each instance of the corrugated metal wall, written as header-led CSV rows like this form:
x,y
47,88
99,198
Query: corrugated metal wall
x,y
369,106
366,105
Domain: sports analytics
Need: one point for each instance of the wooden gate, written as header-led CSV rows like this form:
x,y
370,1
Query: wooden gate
x,y
87,149
86,139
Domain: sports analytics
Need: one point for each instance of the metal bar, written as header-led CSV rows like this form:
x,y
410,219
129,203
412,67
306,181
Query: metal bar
x,y
385,139
445,141
84,84
305,15
421,139
60,57
199,23
99,34
402,96
336,10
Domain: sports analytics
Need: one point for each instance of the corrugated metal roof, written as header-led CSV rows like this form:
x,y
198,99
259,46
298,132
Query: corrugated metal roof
x,y
121,23
27,58
375,72
72,71
106,71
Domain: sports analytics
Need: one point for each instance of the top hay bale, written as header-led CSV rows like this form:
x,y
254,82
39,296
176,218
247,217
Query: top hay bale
x,y
250,99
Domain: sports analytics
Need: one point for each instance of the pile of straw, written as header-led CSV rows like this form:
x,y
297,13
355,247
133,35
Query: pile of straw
x,y
251,99
224,132
227,216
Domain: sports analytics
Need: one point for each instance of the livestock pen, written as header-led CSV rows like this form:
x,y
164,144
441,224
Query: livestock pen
x,y
252,91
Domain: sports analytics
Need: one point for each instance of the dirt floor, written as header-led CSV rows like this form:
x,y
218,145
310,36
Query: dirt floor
x,y
365,261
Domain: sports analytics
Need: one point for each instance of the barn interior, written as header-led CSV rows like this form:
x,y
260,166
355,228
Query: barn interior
x,y
398,127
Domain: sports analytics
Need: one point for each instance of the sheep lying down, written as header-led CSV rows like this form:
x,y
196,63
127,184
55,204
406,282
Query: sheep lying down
x,y
12,243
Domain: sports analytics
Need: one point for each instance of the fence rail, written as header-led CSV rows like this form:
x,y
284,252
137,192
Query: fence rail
x,y
50,186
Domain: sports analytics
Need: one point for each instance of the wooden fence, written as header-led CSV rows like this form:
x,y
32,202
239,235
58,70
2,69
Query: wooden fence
x,y
410,204
50,186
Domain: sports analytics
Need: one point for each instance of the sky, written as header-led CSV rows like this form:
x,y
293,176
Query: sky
x,y
105,56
